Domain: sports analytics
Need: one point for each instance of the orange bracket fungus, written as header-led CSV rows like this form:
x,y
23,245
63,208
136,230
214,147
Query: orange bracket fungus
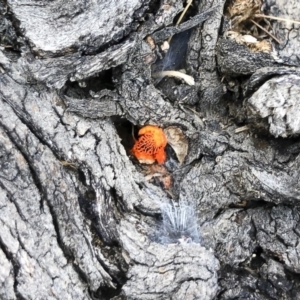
x,y
150,145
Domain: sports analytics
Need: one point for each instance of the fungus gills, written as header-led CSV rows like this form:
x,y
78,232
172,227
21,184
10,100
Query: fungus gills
x,y
150,146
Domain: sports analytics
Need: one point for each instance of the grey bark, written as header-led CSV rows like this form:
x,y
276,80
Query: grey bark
x,y
78,217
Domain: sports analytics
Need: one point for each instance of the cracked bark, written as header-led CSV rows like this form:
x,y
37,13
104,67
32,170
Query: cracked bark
x,y
78,219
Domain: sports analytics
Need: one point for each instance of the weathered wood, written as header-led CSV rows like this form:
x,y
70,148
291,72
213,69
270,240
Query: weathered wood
x,y
167,271
277,103
59,27
287,32
235,59
78,217
163,34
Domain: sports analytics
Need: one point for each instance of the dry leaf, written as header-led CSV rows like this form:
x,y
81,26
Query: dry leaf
x,y
250,41
160,173
261,46
178,141
241,10
248,25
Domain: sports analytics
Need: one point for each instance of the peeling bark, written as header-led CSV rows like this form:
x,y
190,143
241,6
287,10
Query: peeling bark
x,y
78,217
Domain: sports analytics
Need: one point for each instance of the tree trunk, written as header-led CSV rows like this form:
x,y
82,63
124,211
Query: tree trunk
x,y
82,218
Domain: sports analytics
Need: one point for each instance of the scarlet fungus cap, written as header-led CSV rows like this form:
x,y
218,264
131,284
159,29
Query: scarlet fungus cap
x,y
150,146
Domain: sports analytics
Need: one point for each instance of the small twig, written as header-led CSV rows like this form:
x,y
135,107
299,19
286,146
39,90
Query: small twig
x,y
6,46
276,18
68,164
270,34
132,132
241,129
194,111
189,2
150,176
184,108
187,78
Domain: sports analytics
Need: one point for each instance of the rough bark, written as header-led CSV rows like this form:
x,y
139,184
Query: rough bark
x,y
78,217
